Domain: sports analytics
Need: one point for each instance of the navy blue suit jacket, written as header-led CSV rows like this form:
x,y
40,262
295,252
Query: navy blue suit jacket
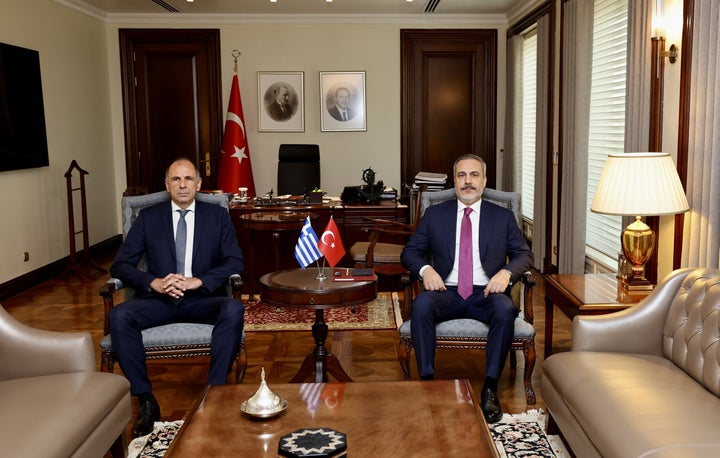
x,y
501,243
216,254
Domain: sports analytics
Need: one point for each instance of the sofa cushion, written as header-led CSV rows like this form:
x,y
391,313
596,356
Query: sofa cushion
x,y
53,415
635,405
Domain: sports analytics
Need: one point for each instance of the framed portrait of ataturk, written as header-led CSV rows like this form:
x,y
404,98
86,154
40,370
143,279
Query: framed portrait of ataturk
x,y
281,105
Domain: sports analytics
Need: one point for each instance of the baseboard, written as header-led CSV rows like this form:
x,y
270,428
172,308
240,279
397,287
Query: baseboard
x,y
24,282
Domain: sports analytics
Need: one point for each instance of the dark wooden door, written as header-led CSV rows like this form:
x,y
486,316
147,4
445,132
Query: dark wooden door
x,y
449,102
172,102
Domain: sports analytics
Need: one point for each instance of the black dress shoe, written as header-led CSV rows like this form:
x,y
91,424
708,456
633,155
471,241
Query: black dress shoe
x,y
148,414
490,406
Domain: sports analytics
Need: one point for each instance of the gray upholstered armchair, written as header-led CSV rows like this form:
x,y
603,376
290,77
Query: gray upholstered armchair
x,y
54,401
471,334
176,340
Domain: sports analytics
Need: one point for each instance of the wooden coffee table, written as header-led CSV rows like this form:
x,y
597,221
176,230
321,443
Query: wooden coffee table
x,y
383,419
301,288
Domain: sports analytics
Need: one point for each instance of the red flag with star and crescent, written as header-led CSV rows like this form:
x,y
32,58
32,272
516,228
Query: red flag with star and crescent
x,y
330,244
235,169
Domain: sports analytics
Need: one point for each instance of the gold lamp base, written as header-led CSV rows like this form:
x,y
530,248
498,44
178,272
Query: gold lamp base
x,y
638,244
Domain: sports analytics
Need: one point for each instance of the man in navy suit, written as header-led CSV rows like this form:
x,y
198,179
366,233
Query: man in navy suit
x,y
191,289
498,254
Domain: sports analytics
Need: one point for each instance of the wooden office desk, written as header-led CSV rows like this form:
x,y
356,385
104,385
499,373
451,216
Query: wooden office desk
x,y
350,219
592,294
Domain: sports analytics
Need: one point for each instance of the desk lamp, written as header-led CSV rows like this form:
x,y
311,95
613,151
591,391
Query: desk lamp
x,y
639,184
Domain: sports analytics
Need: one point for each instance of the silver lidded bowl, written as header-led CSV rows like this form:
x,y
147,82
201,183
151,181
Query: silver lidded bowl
x,y
264,403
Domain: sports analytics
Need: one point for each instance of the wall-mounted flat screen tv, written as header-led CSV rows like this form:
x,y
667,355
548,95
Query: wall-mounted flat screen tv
x,y
23,141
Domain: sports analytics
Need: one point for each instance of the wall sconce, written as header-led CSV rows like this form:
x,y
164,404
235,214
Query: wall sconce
x,y
671,54
658,25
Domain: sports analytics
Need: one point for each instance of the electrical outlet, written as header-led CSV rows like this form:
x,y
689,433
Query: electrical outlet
x,y
26,258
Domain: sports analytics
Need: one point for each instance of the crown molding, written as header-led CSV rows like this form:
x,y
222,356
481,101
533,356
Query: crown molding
x,y
204,19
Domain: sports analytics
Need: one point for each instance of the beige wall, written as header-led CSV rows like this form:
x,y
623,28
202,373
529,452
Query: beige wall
x,y
312,46
73,62
79,61
83,106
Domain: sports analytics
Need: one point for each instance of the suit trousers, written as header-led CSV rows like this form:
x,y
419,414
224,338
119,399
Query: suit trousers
x,y
129,318
432,307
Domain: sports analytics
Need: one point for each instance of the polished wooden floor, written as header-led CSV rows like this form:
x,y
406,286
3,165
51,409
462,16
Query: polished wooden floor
x,y
72,303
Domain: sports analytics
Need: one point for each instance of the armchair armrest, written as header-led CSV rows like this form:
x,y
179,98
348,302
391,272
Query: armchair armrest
x,y
528,281
107,292
638,329
29,352
235,283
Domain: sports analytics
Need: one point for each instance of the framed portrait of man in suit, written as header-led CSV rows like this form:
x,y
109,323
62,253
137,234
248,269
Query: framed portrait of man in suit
x,y
280,102
342,101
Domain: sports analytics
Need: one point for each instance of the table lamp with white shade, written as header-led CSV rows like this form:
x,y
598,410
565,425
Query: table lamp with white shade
x,y
639,184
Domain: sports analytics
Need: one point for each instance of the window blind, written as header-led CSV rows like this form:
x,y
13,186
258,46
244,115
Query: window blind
x,y
607,120
529,121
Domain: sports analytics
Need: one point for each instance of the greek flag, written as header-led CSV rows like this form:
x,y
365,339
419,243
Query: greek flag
x,y
306,250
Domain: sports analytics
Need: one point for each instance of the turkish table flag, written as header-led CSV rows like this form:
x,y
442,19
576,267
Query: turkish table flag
x,y
235,169
330,244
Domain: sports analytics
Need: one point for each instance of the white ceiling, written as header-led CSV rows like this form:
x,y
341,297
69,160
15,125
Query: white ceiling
x,y
341,7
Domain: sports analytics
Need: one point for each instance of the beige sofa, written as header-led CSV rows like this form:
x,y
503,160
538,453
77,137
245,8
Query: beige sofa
x,y
644,382
54,402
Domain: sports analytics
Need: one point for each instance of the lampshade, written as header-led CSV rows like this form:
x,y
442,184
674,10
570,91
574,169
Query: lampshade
x,y
639,184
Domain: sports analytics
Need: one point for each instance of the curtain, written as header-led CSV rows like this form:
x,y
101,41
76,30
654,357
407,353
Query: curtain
x,y
577,29
637,96
701,232
512,170
541,140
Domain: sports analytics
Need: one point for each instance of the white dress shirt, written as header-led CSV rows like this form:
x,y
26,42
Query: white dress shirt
x,y
190,220
479,275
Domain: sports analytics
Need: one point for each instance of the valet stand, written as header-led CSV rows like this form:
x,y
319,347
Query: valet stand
x,y
75,265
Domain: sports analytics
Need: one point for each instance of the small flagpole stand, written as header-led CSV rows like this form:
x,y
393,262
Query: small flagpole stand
x,y
321,270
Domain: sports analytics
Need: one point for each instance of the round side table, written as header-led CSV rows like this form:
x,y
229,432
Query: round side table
x,y
300,288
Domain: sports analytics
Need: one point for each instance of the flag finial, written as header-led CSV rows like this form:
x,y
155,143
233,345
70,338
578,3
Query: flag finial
x,y
236,54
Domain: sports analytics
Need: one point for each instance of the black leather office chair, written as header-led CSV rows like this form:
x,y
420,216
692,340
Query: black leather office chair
x,y
298,169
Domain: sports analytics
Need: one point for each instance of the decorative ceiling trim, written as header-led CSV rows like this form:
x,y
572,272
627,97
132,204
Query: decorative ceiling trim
x,y
476,20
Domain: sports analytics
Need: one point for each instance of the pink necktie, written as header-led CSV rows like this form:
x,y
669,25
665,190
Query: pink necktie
x,y
465,262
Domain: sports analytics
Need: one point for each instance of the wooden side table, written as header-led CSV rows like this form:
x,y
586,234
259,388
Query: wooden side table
x,y
591,294
301,288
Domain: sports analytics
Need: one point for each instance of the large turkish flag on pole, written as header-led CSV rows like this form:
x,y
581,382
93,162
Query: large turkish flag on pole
x,y
235,169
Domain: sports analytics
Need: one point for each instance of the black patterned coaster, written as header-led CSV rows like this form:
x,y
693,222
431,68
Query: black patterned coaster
x,y
315,443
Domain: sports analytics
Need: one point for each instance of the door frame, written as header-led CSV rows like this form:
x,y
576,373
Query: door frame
x,y
128,38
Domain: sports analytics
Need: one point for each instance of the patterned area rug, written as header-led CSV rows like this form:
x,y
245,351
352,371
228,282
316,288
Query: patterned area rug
x,y
382,313
523,435
156,443
516,436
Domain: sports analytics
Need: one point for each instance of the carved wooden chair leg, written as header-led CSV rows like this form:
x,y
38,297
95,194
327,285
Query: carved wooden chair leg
x,y
242,361
404,352
529,353
107,362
